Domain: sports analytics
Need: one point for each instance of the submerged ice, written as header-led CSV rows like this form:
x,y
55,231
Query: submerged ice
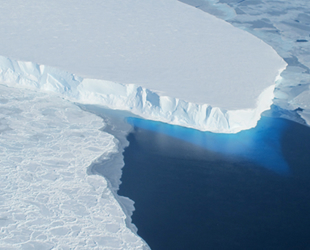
x,y
258,145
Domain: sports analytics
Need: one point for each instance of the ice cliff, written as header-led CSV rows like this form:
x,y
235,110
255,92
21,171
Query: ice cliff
x,y
163,60
138,100
286,28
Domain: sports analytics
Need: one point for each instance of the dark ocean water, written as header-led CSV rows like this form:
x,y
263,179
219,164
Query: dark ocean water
x,y
196,190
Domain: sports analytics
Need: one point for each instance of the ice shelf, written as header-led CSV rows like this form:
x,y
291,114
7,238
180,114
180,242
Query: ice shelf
x,y
131,97
286,28
173,62
160,59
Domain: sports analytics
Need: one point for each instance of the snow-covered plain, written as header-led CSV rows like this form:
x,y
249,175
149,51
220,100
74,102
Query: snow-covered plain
x,y
159,59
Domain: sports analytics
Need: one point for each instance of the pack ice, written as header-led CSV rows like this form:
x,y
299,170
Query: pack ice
x,y
47,200
162,60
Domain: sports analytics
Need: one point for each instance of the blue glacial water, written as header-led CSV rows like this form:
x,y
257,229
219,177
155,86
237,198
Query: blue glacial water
x,y
199,190
261,145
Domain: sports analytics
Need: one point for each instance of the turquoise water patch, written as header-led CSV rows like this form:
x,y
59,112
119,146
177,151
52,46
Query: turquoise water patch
x,y
261,145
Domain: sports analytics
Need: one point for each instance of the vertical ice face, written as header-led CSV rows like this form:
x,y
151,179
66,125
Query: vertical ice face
x,y
136,99
186,62
283,25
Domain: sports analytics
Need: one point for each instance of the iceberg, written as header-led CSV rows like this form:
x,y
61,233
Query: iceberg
x,y
286,28
136,99
169,61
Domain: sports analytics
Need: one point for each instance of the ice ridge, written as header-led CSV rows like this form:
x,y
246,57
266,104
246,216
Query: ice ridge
x,y
136,99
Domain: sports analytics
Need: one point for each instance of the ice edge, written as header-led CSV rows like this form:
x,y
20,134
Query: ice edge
x,y
136,99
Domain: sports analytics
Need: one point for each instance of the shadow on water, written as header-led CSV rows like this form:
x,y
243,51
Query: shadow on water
x,y
195,190
262,144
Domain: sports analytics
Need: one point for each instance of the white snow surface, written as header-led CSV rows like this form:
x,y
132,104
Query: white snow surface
x,y
285,25
47,200
161,45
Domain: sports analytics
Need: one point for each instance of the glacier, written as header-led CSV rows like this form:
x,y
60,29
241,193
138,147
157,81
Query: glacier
x,y
149,58
140,101
172,53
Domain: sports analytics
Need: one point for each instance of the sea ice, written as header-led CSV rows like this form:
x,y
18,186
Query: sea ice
x,y
47,200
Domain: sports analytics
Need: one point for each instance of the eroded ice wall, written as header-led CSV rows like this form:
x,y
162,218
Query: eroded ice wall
x,y
136,99
286,27
193,68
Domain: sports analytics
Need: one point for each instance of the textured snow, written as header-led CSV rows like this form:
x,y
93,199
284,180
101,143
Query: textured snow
x,y
47,200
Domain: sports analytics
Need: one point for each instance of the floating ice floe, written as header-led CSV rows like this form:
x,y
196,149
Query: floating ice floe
x,y
47,199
